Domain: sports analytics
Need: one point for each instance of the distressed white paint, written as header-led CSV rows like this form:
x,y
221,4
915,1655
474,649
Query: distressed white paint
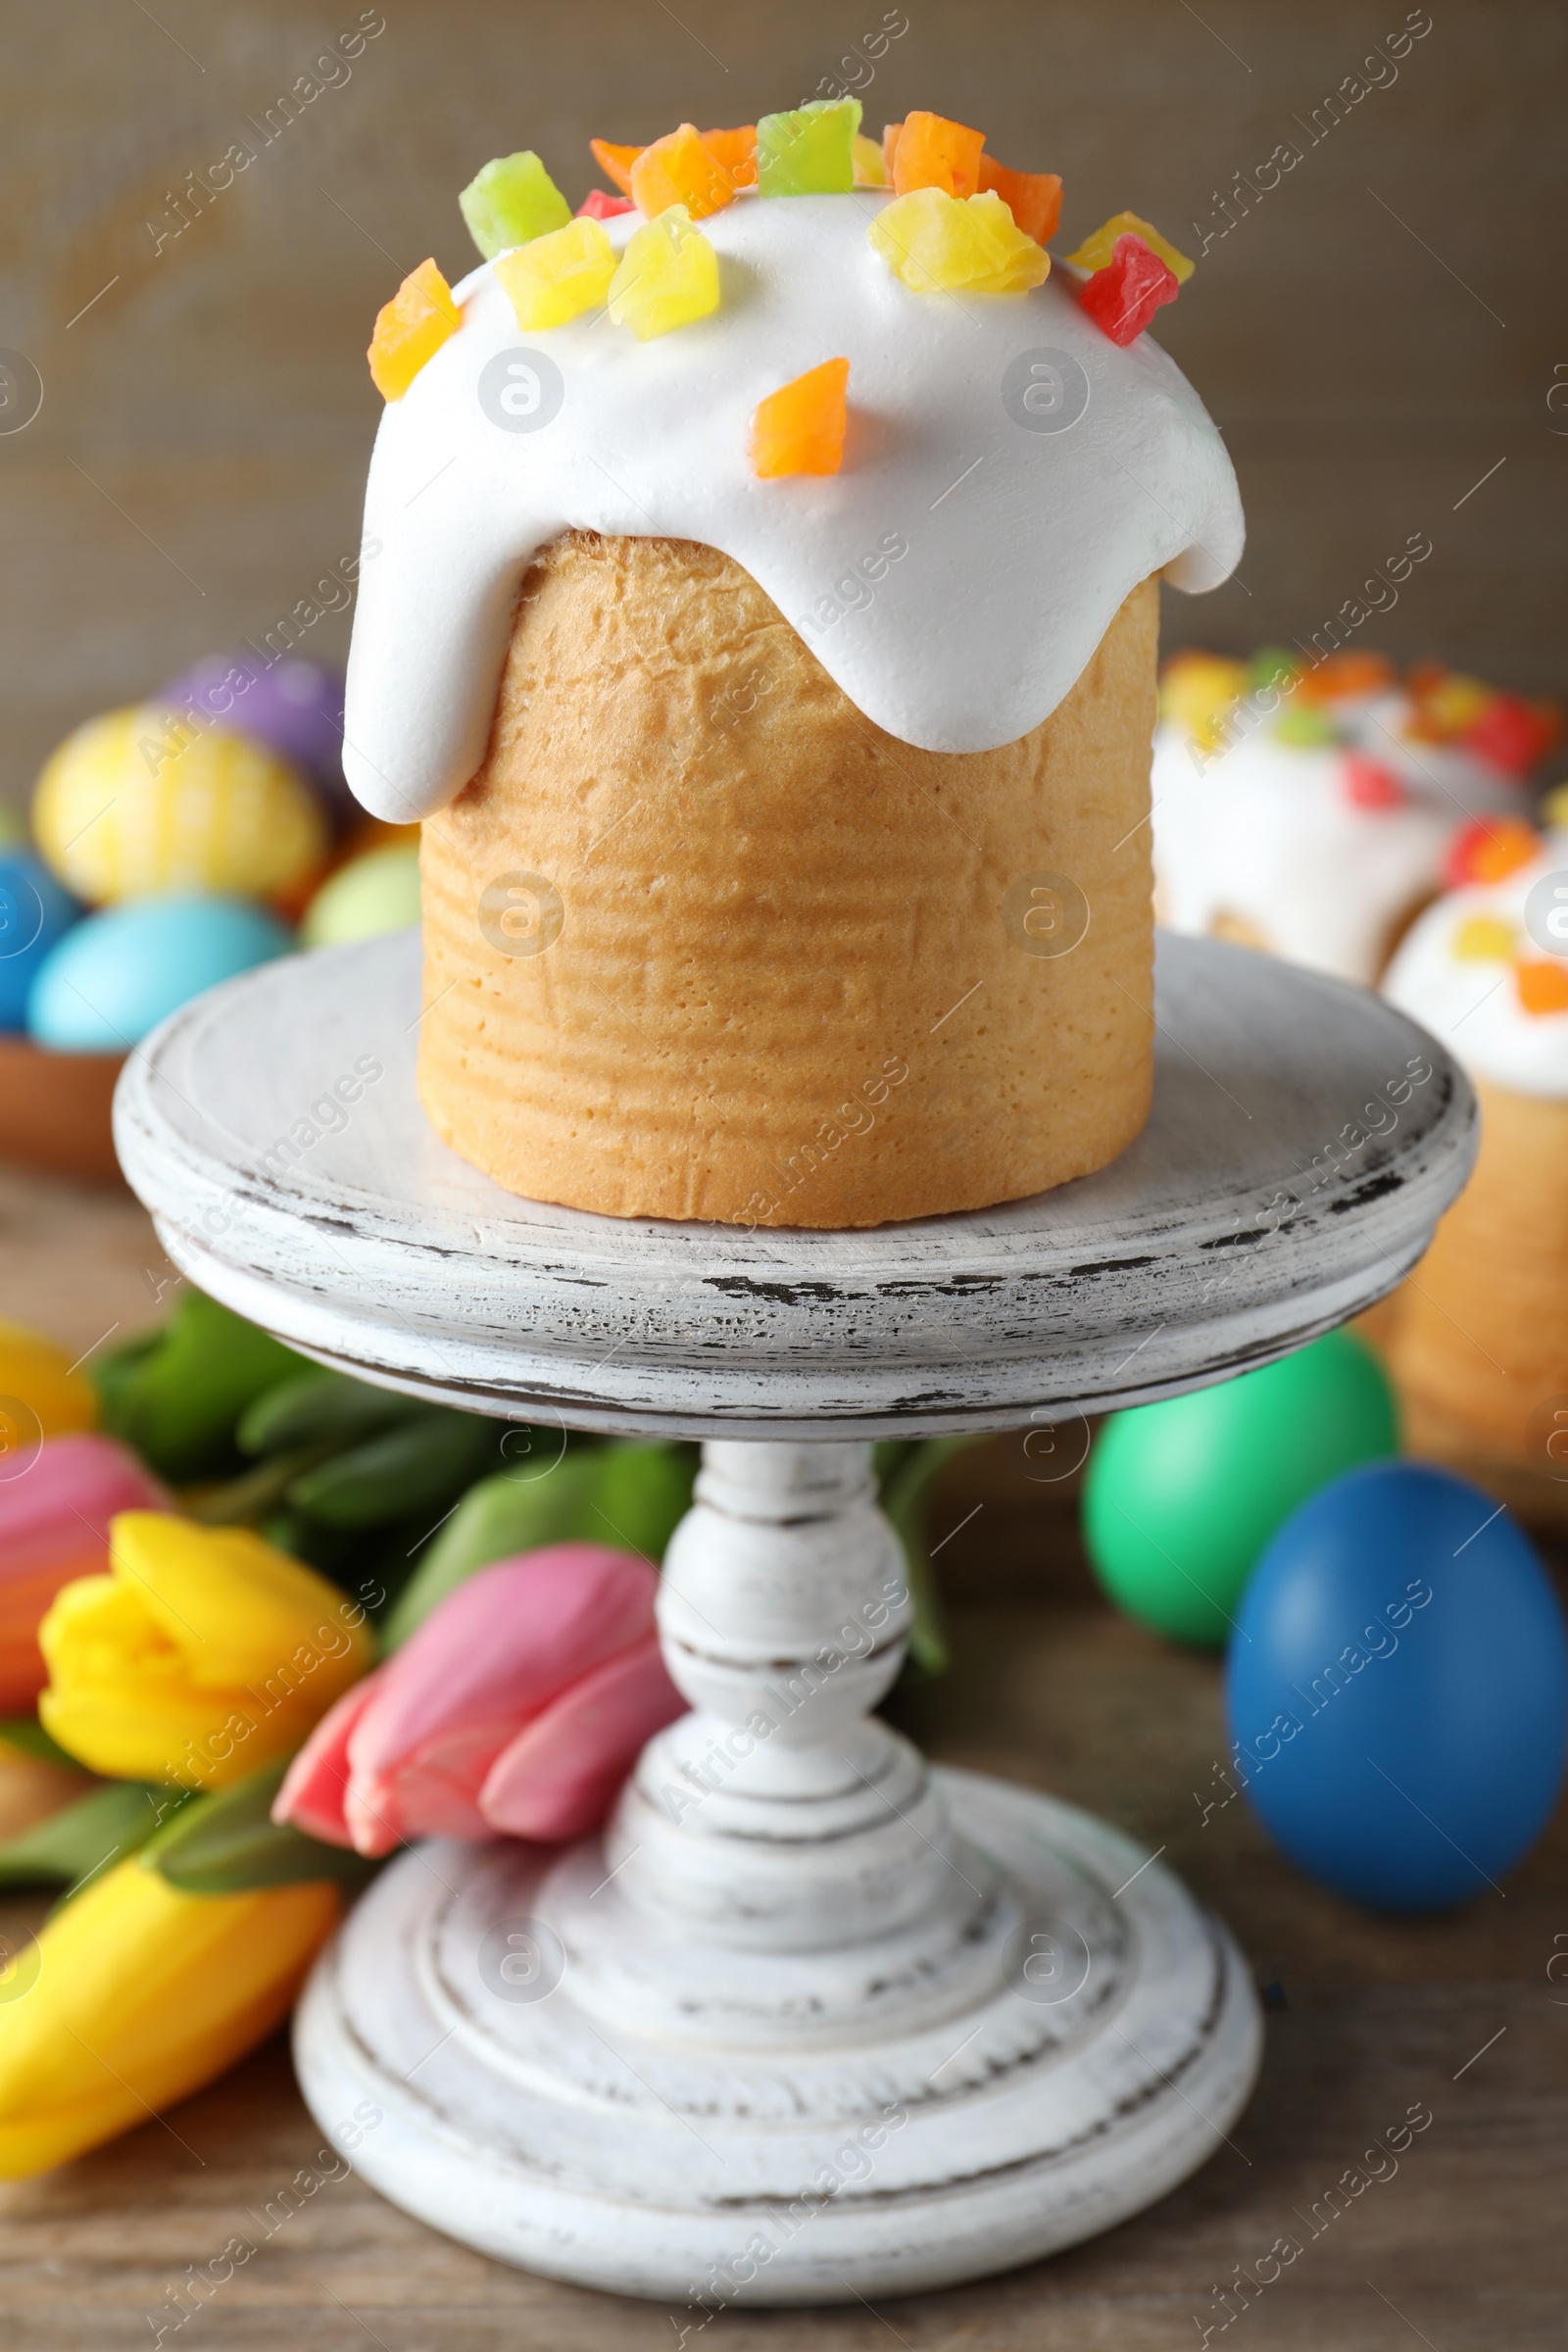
x,y
815,2022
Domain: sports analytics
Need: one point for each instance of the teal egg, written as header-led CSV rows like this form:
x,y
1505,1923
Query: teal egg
x,y
115,976
1181,1497
378,892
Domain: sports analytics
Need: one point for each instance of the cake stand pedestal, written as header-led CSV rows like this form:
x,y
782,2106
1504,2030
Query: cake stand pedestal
x,y
809,2021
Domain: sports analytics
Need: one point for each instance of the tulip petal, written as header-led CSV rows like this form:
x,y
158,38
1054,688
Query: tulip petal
x,y
232,1604
315,1783
561,1775
496,1651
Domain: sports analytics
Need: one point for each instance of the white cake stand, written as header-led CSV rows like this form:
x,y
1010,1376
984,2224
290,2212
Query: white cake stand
x,y
810,2021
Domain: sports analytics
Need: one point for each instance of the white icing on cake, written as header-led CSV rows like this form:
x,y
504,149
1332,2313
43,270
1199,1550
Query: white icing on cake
x,y
1266,833
1472,1002
1021,544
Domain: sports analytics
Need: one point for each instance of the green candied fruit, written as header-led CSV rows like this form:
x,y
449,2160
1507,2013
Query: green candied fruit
x,y
1271,665
809,151
1303,727
510,202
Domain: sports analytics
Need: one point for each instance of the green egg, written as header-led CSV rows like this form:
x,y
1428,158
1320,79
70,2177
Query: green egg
x,y
378,892
1181,1497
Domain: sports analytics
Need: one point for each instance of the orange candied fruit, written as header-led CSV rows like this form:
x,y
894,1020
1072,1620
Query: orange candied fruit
x,y
680,169
411,328
1542,987
616,163
735,151
1033,198
799,429
1340,675
931,151
1489,851
890,147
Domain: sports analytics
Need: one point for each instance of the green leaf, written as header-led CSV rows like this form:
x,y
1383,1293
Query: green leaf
x,y
495,1518
319,1408
76,1843
175,1399
905,1498
419,1465
27,1733
227,1843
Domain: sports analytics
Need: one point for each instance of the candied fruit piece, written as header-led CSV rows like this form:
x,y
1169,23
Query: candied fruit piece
x,y
933,153
679,168
1033,198
616,163
1338,676
1124,296
809,149
1542,987
1489,851
1272,667
558,278
799,427
510,202
1447,703
736,150
600,205
1303,729
890,147
411,328
1555,809
870,163
1368,784
1514,734
933,242
1197,690
1485,938
1095,252
669,276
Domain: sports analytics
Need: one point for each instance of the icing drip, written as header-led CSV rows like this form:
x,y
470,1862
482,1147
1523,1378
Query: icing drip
x,y
953,579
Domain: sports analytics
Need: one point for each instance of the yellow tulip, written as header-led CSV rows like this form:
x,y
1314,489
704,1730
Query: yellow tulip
x,y
40,1395
203,1653
133,1996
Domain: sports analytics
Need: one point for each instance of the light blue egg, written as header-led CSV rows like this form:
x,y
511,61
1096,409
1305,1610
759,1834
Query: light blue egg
x,y
117,974
34,913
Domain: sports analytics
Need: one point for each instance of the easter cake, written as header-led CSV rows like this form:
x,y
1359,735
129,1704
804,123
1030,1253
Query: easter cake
x,y
1313,806
762,623
1480,1344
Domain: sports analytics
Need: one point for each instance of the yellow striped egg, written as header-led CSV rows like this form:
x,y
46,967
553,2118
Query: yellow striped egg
x,y
141,801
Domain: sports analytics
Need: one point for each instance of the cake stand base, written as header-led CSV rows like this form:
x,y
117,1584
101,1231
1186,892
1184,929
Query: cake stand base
x,y
890,2116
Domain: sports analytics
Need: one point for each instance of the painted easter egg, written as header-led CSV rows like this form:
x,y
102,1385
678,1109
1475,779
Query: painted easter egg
x,y
34,912
137,803
117,974
294,705
371,894
1181,1497
1397,1689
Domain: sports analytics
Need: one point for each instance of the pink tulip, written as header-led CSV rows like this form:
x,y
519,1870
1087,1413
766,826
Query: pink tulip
x,y
519,1706
54,1527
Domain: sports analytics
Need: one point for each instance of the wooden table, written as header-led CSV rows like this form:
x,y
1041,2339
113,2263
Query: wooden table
x,y
1461,2247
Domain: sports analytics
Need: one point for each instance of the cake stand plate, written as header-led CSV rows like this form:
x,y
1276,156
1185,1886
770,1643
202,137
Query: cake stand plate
x,y
1292,1171
809,2021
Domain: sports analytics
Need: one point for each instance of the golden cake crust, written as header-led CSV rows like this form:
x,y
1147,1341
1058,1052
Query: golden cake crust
x,y
703,942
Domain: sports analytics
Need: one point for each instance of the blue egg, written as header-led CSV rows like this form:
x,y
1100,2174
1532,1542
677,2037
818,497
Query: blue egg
x,y
34,912
118,973
1397,1689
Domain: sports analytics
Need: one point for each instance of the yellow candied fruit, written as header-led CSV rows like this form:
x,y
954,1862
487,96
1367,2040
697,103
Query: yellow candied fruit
x,y
1555,809
870,171
1485,938
411,328
1097,252
558,277
934,243
1197,691
669,276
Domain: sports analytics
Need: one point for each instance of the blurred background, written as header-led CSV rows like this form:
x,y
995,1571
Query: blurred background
x,y
1380,334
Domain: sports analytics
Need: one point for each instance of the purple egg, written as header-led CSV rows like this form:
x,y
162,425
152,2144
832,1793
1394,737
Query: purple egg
x,y
292,704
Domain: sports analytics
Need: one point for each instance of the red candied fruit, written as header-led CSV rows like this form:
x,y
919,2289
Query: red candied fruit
x,y
600,205
1368,784
1488,850
1124,296
1514,734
